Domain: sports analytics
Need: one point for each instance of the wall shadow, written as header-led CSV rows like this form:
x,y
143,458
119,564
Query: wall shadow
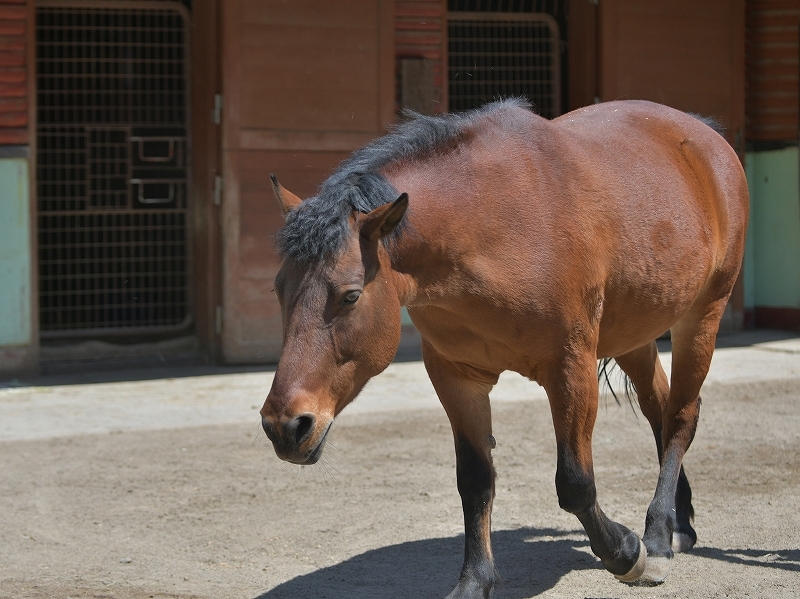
x,y
530,562
162,367
747,338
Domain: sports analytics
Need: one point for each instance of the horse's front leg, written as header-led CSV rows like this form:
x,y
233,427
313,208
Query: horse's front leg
x,y
464,393
572,390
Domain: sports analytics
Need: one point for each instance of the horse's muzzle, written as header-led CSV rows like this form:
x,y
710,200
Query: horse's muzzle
x,y
294,440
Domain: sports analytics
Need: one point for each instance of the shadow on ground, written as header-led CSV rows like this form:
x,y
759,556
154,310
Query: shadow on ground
x,y
531,561
155,366
164,367
781,559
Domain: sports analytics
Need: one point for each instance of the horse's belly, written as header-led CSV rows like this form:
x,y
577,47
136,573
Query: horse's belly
x,y
487,340
644,312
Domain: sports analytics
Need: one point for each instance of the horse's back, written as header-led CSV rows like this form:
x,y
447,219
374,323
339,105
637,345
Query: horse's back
x,y
625,188
668,154
614,218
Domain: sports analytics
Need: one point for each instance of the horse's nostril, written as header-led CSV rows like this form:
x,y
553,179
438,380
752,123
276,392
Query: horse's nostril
x,y
268,428
299,429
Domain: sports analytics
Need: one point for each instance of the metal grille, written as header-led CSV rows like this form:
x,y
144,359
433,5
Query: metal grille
x,y
112,168
551,7
498,55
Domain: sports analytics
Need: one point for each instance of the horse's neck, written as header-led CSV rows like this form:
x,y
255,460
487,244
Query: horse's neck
x,y
422,272
404,276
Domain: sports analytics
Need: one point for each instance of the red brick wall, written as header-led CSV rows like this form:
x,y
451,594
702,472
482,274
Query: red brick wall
x,y
13,73
421,32
772,50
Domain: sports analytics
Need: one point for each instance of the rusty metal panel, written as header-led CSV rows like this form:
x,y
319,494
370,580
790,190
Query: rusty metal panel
x,y
773,70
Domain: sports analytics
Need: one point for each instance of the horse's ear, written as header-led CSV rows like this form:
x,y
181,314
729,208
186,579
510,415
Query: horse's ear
x,y
380,222
287,200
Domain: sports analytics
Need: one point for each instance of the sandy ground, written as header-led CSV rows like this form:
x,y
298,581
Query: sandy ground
x,y
208,511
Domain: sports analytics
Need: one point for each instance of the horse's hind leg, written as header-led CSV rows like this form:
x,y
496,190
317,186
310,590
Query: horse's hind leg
x,y
464,393
693,338
644,368
572,390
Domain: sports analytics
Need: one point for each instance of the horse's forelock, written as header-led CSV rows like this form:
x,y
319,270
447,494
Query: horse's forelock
x,y
318,228
312,232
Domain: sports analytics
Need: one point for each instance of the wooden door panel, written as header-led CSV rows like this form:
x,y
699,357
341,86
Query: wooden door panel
x,y
323,72
305,82
307,69
251,330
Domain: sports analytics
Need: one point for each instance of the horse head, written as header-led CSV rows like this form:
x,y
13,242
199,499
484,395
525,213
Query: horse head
x,y
341,327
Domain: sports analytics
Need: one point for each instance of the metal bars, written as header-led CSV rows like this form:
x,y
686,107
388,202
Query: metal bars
x,y
118,269
112,170
111,65
551,7
498,55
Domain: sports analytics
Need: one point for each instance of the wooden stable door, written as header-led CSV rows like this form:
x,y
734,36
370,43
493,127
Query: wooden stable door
x,y
305,82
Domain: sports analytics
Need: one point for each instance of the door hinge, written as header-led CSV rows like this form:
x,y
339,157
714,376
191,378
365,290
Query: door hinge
x,y
219,185
217,109
218,321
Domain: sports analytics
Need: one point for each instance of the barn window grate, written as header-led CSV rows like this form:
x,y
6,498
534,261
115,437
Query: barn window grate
x,y
499,55
112,169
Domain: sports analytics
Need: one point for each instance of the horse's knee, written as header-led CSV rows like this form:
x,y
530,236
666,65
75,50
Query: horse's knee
x,y
574,484
679,429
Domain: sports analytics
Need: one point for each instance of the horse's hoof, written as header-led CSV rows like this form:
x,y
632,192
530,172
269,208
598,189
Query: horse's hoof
x,y
638,568
470,588
681,542
655,571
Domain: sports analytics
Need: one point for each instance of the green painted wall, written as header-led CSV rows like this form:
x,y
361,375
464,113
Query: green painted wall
x,y
772,260
15,253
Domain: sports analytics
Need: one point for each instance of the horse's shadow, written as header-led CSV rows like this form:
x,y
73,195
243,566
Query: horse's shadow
x,y
532,560
782,559
430,568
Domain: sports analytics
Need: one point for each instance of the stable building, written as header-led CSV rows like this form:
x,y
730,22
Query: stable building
x,y
137,138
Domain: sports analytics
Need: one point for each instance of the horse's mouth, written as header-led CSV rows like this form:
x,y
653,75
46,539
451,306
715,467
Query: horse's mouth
x,y
316,453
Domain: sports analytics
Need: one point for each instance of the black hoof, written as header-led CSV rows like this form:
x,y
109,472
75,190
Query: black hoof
x,y
469,588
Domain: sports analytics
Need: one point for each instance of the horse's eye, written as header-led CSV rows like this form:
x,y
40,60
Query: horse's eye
x,y
351,297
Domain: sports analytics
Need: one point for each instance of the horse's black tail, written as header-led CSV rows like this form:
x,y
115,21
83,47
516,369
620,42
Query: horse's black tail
x,y
604,369
709,122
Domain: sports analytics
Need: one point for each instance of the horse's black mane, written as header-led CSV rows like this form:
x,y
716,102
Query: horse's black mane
x,y
318,228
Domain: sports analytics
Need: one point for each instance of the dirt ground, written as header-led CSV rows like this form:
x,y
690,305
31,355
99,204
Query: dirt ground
x,y
210,512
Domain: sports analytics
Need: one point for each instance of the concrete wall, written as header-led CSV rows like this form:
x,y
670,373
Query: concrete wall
x,y
17,341
772,263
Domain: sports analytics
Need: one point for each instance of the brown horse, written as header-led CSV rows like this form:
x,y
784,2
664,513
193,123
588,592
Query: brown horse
x,y
519,244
